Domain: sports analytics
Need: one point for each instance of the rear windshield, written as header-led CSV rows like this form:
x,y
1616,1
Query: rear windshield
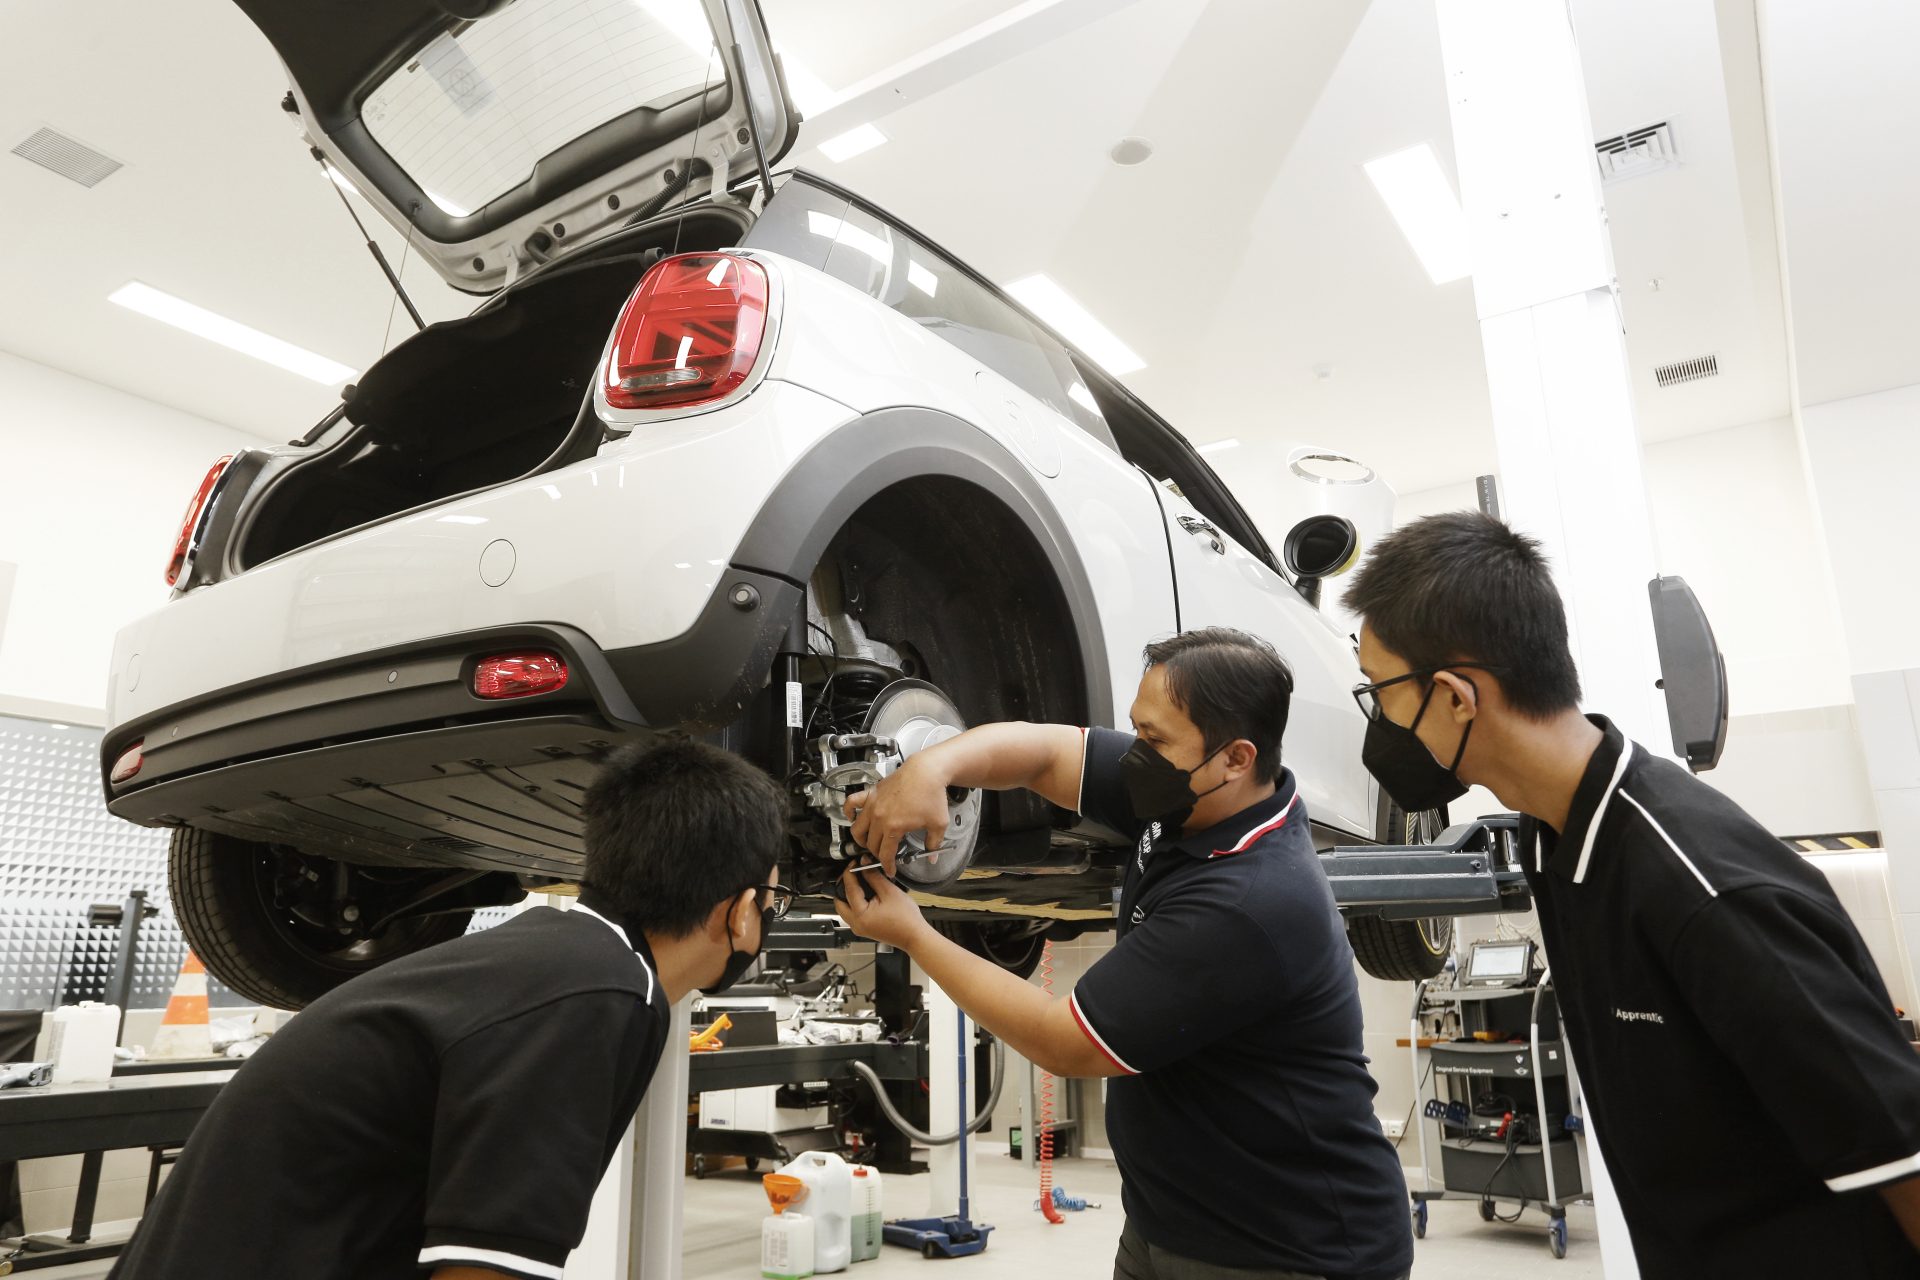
x,y
469,116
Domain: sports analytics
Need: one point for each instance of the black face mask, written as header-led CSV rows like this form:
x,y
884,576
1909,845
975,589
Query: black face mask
x,y
739,961
1401,763
1158,789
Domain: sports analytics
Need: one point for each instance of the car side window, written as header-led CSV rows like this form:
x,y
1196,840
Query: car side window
x,y
862,250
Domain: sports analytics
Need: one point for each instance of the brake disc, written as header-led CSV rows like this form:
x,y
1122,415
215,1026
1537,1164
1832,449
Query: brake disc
x,y
916,715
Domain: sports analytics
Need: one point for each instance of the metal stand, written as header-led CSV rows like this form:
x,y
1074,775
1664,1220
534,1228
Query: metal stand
x,y
896,1000
128,915
957,1236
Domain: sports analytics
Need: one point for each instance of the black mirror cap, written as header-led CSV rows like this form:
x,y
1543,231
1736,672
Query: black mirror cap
x,y
1693,674
1321,547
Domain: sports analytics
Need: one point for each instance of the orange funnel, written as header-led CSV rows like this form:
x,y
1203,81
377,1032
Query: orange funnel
x,y
782,1190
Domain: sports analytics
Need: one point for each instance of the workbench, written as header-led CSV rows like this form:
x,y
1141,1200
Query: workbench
x,y
156,1105
155,1111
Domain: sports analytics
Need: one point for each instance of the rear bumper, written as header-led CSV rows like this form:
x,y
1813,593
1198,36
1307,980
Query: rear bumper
x,y
389,756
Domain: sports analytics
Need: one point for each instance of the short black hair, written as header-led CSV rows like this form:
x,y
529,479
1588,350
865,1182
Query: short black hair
x,y
1465,587
1231,685
675,828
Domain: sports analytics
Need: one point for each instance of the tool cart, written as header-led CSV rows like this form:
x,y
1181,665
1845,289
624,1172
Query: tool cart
x,y
1500,1110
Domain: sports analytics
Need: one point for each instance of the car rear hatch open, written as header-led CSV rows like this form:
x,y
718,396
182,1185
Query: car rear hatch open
x,y
498,134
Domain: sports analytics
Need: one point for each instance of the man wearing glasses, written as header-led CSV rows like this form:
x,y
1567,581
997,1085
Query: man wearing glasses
x,y
1757,1104
1227,1014
452,1112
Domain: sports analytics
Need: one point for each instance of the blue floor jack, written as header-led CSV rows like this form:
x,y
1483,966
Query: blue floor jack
x,y
958,1236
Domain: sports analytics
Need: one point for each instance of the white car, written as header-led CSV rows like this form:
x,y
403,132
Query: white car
x,y
718,454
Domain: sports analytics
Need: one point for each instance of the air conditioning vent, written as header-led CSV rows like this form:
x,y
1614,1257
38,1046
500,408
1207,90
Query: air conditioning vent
x,y
1642,151
1672,375
73,160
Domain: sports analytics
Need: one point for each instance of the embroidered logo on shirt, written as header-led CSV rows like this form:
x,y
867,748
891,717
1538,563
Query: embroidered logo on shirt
x,y
1635,1015
1139,915
1147,838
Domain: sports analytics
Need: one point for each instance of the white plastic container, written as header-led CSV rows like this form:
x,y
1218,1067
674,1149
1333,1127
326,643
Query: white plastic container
x,y
786,1246
829,1202
80,1045
869,1218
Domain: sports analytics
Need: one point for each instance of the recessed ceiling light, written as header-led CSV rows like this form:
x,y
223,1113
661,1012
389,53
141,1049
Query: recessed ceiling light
x,y
1058,308
1421,201
231,334
1218,446
1130,151
63,726
854,142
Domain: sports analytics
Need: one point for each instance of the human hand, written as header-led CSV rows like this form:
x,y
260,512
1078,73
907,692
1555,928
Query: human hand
x,y
877,908
911,798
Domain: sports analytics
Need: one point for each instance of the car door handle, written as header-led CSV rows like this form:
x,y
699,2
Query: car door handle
x,y
1196,526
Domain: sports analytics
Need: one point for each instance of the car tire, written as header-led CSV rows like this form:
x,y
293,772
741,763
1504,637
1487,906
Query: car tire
x,y
1403,950
1014,943
222,890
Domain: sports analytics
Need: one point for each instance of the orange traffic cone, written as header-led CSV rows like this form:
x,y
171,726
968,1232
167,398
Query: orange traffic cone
x,y
183,1031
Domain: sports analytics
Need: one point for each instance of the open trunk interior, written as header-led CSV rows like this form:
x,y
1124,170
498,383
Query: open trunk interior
x,y
476,402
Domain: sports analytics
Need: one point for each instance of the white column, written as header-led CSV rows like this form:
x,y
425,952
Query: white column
x,y
944,1031
1570,468
633,1229
657,1198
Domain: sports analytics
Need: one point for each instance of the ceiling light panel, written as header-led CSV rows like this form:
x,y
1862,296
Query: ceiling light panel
x,y
1421,200
231,334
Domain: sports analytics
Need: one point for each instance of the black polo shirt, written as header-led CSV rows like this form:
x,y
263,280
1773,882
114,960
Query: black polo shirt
x,y
455,1107
1738,1051
1243,1123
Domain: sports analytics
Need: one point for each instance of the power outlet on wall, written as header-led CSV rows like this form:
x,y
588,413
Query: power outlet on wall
x,y
1393,1128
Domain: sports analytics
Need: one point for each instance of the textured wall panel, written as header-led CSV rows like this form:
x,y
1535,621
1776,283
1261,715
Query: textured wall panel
x,y
60,852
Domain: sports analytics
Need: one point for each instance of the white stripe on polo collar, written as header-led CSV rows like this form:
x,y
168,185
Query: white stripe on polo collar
x,y
1875,1176
1271,824
1662,831
625,941
1600,810
494,1258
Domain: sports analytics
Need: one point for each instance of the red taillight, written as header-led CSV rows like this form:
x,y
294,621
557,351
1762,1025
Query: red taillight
x,y
690,333
519,675
190,523
129,762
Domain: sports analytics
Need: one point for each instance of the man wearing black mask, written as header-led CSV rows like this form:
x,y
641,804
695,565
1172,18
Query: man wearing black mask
x,y
1241,1113
1757,1104
452,1112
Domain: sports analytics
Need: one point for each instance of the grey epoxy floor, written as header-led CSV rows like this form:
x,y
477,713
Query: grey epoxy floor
x,y
723,1212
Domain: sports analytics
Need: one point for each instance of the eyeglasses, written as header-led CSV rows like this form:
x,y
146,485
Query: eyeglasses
x,y
1368,695
783,898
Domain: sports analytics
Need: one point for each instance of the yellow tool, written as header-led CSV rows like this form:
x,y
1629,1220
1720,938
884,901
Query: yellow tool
x,y
708,1041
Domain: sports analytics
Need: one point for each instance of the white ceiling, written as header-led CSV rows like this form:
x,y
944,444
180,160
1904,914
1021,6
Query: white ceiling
x,y
1846,116
1248,251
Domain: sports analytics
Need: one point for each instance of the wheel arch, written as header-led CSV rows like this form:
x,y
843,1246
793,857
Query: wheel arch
x,y
896,458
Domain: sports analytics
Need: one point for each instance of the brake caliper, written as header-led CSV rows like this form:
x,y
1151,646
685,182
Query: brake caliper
x,y
847,763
